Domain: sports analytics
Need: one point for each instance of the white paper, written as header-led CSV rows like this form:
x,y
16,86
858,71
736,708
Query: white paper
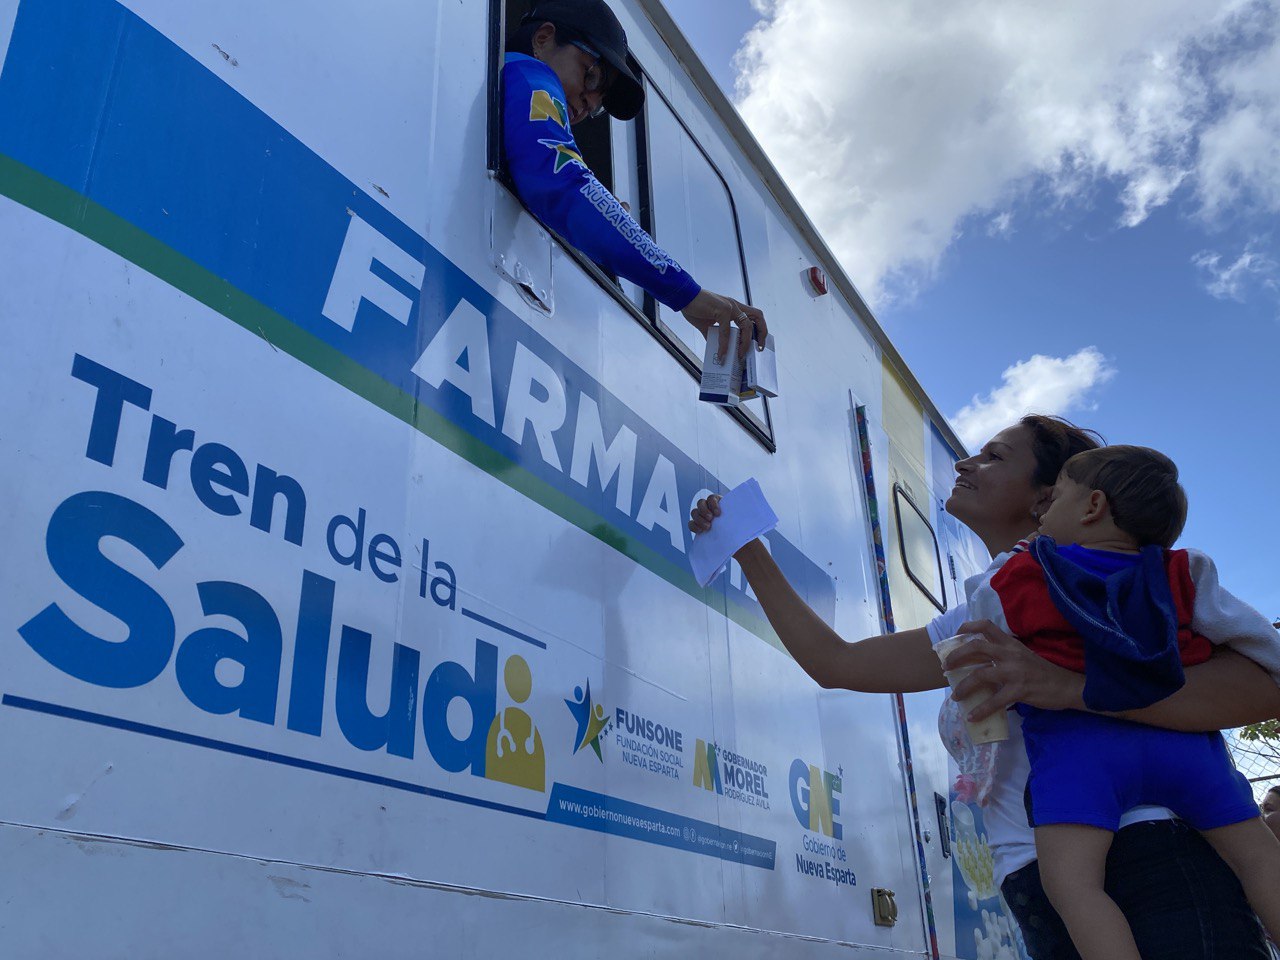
x,y
744,515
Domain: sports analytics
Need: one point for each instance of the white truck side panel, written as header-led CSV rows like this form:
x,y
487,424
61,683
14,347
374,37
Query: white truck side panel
x,y
116,900
255,785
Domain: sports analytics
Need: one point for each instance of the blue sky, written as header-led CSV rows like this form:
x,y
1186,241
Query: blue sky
x,y
1107,200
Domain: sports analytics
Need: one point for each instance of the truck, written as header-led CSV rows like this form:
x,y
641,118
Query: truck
x,y
346,605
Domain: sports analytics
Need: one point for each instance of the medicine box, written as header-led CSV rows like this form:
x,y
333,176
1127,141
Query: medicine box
x,y
761,376
721,376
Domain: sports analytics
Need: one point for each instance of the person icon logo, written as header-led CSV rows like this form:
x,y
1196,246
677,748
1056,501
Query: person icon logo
x,y
514,752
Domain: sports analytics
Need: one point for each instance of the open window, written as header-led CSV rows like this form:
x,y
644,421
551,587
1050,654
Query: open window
x,y
919,545
688,208
691,214
671,186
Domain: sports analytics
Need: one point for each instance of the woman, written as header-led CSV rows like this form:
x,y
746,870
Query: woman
x,y
1271,801
1181,900
1270,810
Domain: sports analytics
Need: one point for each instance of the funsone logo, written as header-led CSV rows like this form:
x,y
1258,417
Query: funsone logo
x,y
648,744
592,722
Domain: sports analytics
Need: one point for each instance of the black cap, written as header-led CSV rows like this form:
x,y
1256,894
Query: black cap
x,y
597,26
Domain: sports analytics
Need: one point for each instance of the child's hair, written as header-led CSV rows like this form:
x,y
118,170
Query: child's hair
x,y
1054,441
1142,489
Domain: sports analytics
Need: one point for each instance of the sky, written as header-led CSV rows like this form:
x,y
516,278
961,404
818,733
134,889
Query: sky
x,y
1069,208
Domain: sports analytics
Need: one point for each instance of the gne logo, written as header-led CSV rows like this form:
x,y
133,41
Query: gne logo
x,y
814,799
592,723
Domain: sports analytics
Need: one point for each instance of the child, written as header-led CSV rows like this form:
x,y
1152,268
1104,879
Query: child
x,y
1101,592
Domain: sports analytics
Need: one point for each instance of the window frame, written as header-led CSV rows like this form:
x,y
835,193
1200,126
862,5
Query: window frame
x,y
899,494
761,429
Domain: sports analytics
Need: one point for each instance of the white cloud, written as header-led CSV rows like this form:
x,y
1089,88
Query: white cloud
x,y
1050,385
895,122
1232,281
1239,159
1001,225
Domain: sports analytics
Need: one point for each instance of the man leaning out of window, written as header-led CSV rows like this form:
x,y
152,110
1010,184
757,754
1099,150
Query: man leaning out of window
x,y
568,63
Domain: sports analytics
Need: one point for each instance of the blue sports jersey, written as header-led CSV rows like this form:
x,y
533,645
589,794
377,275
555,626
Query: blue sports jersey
x,y
558,187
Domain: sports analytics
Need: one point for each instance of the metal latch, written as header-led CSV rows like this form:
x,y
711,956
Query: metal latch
x,y
883,908
522,250
944,832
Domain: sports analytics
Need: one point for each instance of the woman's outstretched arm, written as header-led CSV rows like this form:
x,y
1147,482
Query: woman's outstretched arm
x,y
891,663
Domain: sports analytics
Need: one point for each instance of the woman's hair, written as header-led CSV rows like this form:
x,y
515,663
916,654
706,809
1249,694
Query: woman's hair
x,y
1275,789
1054,441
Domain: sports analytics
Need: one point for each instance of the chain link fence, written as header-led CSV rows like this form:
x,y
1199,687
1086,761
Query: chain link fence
x,y
1258,761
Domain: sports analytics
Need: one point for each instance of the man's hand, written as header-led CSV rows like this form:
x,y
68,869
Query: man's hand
x,y
1015,674
713,310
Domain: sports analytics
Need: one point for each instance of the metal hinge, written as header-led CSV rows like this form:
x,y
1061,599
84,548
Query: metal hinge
x,y
883,908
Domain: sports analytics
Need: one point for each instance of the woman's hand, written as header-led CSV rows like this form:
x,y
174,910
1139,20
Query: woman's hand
x,y
711,310
704,514
1013,672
